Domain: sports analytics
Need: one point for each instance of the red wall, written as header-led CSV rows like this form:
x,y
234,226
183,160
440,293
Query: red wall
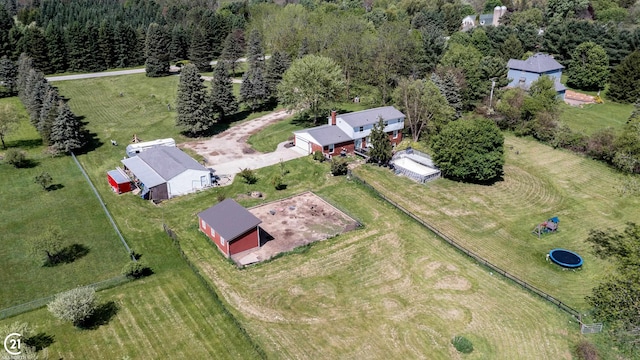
x,y
246,241
396,140
315,147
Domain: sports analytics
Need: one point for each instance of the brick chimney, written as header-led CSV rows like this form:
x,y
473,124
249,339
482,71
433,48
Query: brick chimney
x,y
333,117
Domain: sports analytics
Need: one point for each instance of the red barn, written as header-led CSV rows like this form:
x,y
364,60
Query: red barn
x,y
231,227
119,181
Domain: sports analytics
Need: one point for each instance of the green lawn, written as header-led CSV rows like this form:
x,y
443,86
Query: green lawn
x,y
29,210
389,290
593,117
496,221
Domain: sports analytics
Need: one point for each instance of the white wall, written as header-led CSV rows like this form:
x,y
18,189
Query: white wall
x,y
188,182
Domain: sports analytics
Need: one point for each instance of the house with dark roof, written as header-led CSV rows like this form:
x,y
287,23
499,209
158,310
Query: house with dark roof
x,y
524,72
231,227
164,172
350,132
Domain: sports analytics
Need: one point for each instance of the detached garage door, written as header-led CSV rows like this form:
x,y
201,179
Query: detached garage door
x,y
303,144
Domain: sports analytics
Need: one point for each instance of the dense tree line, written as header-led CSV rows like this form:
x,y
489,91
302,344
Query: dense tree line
x,y
49,113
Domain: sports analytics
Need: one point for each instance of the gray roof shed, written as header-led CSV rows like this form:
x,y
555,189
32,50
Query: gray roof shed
x,y
143,172
538,63
229,219
370,116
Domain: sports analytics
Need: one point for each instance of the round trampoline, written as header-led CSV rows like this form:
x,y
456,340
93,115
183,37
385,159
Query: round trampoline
x,y
565,258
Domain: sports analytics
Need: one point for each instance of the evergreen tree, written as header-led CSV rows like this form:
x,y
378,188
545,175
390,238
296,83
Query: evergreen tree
x,y
25,65
511,48
304,48
253,90
125,42
8,73
449,86
179,45
35,45
36,89
381,151
66,130
6,25
157,51
624,85
56,46
106,44
277,64
76,47
194,115
199,54
255,51
233,48
48,114
223,102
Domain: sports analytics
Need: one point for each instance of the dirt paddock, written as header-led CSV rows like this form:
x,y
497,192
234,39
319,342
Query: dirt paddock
x,y
293,222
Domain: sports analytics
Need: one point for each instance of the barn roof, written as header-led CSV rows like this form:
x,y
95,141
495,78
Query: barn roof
x,y
168,162
537,63
370,116
326,134
229,219
143,172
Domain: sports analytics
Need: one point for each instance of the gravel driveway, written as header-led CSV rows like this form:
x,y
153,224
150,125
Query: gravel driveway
x,y
228,152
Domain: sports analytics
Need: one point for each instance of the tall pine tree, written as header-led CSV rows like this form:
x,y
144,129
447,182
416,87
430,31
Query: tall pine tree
x,y
194,116
254,91
157,51
624,85
48,114
8,75
56,46
448,82
179,45
233,48
106,44
6,24
199,54
277,64
36,89
66,130
25,65
223,102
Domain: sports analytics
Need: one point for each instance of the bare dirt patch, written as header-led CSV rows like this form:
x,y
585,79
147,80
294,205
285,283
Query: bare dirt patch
x,y
293,222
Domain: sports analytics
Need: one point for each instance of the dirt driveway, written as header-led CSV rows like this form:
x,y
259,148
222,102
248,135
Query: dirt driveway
x,y
228,152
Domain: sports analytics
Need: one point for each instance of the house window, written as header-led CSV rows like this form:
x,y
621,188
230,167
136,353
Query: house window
x,y
395,134
361,128
203,224
522,80
326,148
331,148
386,123
222,241
213,232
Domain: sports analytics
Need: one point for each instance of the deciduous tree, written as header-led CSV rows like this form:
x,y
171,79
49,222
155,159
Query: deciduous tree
x,y
75,306
311,83
470,150
47,245
589,67
194,113
8,121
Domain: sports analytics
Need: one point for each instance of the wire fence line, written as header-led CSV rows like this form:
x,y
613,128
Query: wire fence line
x,y
212,291
104,207
566,308
38,303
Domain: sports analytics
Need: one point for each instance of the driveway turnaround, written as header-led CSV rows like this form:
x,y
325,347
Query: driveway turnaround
x,y
228,153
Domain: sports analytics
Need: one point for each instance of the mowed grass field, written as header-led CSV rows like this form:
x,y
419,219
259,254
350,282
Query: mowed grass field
x,y
387,291
496,221
27,212
590,118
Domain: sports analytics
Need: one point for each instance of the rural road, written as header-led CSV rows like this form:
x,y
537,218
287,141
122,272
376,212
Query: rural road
x,y
228,152
128,72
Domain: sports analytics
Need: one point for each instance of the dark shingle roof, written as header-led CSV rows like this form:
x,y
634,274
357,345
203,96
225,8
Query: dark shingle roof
x,y
327,134
370,116
538,63
229,219
169,162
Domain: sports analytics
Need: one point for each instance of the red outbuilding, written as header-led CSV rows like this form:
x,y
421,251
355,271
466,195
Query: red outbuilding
x,y
119,181
231,227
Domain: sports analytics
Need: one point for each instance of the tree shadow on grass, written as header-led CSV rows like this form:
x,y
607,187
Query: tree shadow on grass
x,y
25,143
101,316
68,255
40,341
54,187
28,164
